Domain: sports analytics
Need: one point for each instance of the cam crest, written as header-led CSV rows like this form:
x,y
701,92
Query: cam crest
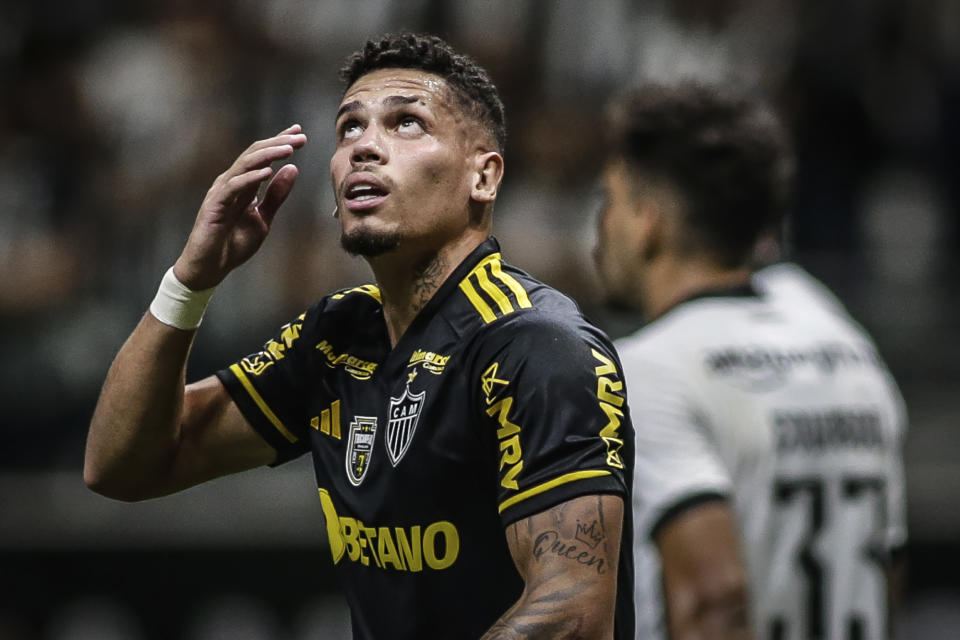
x,y
404,413
360,447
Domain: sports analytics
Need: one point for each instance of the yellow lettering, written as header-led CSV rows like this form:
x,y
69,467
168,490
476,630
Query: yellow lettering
x,y
510,451
509,436
507,427
350,533
337,544
387,550
398,548
289,334
613,417
410,550
609,401
451,545
363,544
275,349
607,367
509,478
369,535
605,389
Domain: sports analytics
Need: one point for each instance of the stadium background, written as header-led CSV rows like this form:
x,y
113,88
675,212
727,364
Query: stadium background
x,y
116,117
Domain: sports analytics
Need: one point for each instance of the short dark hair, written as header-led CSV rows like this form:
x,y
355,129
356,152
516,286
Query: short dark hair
x,y
727,154
471,84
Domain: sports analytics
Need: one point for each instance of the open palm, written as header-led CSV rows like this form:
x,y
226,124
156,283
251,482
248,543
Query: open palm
x,y
233,222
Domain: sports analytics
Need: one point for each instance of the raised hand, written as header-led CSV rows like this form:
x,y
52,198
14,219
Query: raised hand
x,y
233,222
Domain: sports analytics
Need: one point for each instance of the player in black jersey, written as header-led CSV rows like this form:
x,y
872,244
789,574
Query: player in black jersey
x,y
469,428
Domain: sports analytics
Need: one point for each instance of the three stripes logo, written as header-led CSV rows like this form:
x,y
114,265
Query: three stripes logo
x,y
492,292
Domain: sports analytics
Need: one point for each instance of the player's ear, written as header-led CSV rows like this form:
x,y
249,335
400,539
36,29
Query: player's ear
x,y
487,174
651,225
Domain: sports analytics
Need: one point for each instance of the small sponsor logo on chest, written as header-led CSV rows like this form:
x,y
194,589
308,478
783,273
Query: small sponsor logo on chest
x,y
433,362
359,369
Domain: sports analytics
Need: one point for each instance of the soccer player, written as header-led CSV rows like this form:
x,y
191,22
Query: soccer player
x,y
470,437
768,480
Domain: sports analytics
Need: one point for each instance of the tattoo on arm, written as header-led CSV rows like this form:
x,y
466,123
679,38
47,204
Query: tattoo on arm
x,y
568,558
588,536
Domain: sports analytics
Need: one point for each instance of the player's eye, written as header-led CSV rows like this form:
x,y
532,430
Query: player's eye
x,y
350,130
410,124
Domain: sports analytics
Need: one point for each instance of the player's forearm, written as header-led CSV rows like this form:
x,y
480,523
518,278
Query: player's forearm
x,y
719,614
704,577
553,614
568,556
135,427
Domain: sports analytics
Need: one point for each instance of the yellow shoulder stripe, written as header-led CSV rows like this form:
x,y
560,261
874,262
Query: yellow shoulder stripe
x,y
550,484
512,284
482,307
260,402
371,290
487,273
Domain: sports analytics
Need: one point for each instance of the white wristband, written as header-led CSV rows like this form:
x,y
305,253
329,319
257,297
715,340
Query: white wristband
x,y
177,305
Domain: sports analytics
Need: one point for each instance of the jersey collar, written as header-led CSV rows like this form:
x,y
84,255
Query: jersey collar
x,y
746,290
486,248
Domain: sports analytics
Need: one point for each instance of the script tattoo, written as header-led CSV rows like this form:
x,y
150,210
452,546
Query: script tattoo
x,y
557,551
591,535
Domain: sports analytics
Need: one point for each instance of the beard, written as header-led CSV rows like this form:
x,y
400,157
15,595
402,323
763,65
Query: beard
x,y
369,244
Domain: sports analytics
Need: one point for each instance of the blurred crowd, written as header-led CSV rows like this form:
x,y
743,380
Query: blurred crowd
x,y
116,117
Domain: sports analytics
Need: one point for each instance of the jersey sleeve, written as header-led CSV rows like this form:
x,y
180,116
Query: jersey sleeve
x,y
552,397
267,387
896,532
677,465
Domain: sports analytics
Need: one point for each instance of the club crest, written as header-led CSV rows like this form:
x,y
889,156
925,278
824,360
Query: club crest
x,y
360,447
404,413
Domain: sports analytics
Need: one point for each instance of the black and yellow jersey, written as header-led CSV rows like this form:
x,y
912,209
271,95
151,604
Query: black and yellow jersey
x,y
498,402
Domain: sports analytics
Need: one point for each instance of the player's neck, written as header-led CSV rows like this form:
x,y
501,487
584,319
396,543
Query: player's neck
x,y
409,280
670,282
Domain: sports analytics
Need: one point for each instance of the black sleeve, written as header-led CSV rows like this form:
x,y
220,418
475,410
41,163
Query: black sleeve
x,y
552,392
268,388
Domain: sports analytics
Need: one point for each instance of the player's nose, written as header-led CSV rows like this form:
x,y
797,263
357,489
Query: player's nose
x,y
368,147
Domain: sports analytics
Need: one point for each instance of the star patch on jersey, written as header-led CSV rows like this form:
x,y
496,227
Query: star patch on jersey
x,y
489,380
360,447
404,413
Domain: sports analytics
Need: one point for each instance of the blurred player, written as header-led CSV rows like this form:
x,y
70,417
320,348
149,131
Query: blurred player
x,y
768,481
470,437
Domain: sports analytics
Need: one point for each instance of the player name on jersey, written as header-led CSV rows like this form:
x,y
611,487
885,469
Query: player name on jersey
x,y
821,430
